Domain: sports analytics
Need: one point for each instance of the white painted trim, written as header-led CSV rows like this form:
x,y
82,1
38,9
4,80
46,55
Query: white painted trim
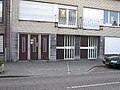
x,y
84,47
67,7
28,52
66,47
39,47
1,43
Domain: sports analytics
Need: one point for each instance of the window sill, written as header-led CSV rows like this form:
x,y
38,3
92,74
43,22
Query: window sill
x,y
110,25
67,26
115,26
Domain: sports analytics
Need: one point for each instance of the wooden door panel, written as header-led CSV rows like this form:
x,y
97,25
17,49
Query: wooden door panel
x,y
45,47
23,39
84,53
34,47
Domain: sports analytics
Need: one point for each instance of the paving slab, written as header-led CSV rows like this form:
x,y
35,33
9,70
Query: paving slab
x,y
53,68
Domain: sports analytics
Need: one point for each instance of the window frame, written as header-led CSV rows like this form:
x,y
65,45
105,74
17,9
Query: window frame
x,y
23,44
67,8
2,11
3,44
109,19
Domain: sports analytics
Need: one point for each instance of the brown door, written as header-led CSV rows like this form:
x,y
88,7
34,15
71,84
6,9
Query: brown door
x,y
84,45
83,53
60,43
23,39
34,47
44,47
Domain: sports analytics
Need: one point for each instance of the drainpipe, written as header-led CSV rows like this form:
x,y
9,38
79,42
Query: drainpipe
x,y
5,35
10,17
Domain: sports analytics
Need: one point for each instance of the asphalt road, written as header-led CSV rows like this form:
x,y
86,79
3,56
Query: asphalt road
x,y
90,81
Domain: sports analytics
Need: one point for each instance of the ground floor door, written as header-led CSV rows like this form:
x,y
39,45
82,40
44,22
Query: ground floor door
x,y
44,47
65,47
34,47
83,46
93,47
23,39
88,47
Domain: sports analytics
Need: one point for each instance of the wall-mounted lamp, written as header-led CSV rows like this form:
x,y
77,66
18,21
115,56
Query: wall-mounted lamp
x,y
54,38
56,21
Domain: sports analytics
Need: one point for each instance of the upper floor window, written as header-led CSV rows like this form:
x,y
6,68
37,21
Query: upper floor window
x,y
92,18
1,5
67,17
72,17
62,16
111,18
37,11
114,18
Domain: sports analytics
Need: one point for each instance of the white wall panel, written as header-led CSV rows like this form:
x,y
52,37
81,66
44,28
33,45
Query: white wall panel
x,y
112,45
0,11
92,18
37,11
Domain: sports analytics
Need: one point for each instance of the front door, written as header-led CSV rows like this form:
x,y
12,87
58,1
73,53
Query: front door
x,y
44,47
93,47
34,47
23,39
83,47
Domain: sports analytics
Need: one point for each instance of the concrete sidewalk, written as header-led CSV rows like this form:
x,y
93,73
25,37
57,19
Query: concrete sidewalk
x,y
44,69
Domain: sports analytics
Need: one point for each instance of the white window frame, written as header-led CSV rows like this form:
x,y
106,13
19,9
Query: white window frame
x,y
23,44
70,48
1,43
45,44
1,10
67,8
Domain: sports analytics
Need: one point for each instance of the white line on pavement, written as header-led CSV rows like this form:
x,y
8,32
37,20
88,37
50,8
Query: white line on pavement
x,y
92,85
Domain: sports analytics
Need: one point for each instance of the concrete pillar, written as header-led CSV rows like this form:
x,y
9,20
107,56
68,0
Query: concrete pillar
x,y
53,39
101,48
77,47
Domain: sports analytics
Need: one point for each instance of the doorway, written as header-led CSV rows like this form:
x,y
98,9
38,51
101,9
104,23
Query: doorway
x,y
44,47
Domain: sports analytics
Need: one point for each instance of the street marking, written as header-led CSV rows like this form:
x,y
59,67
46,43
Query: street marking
x,y
68,67
93,85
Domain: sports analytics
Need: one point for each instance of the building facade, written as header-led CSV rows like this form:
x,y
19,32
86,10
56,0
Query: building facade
x,y
64,30
4,30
